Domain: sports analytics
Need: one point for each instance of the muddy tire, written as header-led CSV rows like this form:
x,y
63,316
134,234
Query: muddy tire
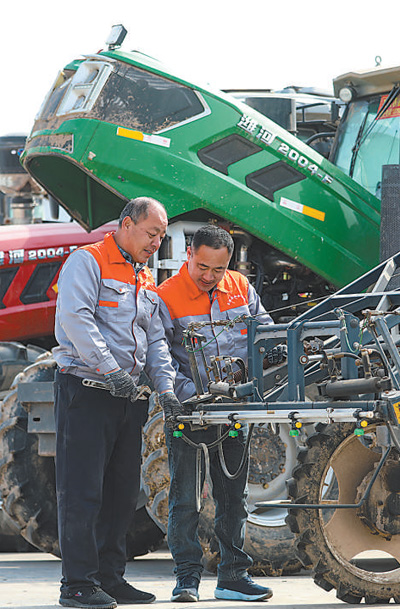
x,y
337,544
269,540
10,538
144,535
27,480
14,358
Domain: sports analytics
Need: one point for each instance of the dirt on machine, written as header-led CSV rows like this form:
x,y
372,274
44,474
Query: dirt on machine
x,y
117,125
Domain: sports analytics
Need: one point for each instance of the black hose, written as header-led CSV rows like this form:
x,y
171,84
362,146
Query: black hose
x,y
243,459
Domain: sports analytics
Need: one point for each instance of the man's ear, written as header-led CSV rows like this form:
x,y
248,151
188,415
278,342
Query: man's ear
x,y
189,252
126,222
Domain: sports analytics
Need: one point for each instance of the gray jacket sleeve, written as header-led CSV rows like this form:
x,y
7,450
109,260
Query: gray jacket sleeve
x,y
158,360
76,304
184,386
256,308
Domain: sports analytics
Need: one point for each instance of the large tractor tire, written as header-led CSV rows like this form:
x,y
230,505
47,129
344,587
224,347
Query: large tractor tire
x,y
269,540
355,551
14,358
27,480
10,538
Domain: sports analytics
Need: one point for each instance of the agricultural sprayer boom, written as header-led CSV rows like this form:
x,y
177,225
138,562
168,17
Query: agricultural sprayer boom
x,y
342,375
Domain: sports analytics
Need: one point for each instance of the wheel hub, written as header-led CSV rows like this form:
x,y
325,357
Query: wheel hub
x,y
381,511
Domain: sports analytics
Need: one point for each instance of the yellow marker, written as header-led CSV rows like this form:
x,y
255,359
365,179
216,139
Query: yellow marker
x,y
298,424
130,133
149,138
181,426
237,426
363,423
302,209
396,408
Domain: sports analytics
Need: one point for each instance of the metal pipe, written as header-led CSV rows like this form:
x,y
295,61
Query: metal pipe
x,y
328,504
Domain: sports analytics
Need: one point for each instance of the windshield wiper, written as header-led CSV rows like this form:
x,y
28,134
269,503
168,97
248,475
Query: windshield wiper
x,y
360,137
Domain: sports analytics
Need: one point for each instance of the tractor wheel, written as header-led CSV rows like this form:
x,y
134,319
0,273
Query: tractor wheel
x,y
27,480
14,357
356,550
269,540
10,538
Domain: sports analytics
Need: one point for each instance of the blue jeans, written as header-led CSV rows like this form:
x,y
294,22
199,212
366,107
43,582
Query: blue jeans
x,y
230,498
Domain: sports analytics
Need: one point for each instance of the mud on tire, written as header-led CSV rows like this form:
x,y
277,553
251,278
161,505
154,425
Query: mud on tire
x,y
337,543
27,480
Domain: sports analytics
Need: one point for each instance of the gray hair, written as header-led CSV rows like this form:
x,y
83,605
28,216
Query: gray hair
x,y
138,208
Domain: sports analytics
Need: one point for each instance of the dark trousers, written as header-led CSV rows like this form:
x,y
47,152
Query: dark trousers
x,y
98,460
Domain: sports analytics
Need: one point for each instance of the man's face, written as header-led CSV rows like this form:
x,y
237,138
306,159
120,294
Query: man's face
x,y
143,239
207,265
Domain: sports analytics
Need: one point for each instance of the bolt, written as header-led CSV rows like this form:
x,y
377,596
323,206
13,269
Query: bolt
x,y
262,349
265,485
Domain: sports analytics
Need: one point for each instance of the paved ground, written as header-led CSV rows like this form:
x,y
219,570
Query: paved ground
x,y
31,581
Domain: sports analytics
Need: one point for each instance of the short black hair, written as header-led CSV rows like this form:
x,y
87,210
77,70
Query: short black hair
x,y
136,208
212,236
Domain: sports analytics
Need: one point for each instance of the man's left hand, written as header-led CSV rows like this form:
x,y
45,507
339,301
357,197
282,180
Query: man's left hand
x,y
172,408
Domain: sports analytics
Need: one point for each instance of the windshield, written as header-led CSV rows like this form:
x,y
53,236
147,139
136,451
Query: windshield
x,y
363,144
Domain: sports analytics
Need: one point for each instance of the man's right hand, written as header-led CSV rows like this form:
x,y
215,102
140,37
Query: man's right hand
x,y
172,408
120,384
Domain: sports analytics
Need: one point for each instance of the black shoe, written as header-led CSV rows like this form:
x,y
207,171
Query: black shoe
x,y
186,590
88,598
125,594
242,590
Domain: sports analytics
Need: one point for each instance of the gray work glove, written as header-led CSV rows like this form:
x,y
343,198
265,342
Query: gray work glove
x,y
120,384
171,407
277,355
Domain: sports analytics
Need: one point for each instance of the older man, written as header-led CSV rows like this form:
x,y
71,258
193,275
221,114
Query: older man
x,y
108,331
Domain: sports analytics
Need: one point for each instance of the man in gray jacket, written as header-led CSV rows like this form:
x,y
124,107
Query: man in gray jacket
x,y
108,330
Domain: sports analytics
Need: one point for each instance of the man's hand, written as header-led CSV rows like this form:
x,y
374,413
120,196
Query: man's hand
x,y
120,384
171,407
276,355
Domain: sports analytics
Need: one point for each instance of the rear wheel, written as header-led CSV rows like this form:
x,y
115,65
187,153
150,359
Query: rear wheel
x,y
27,480
355,551
14,358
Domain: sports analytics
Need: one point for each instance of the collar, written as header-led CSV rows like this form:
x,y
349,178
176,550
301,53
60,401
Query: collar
x,y
193,291
115,252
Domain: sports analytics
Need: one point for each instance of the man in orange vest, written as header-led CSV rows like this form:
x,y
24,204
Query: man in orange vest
x,y
205,290
108,331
